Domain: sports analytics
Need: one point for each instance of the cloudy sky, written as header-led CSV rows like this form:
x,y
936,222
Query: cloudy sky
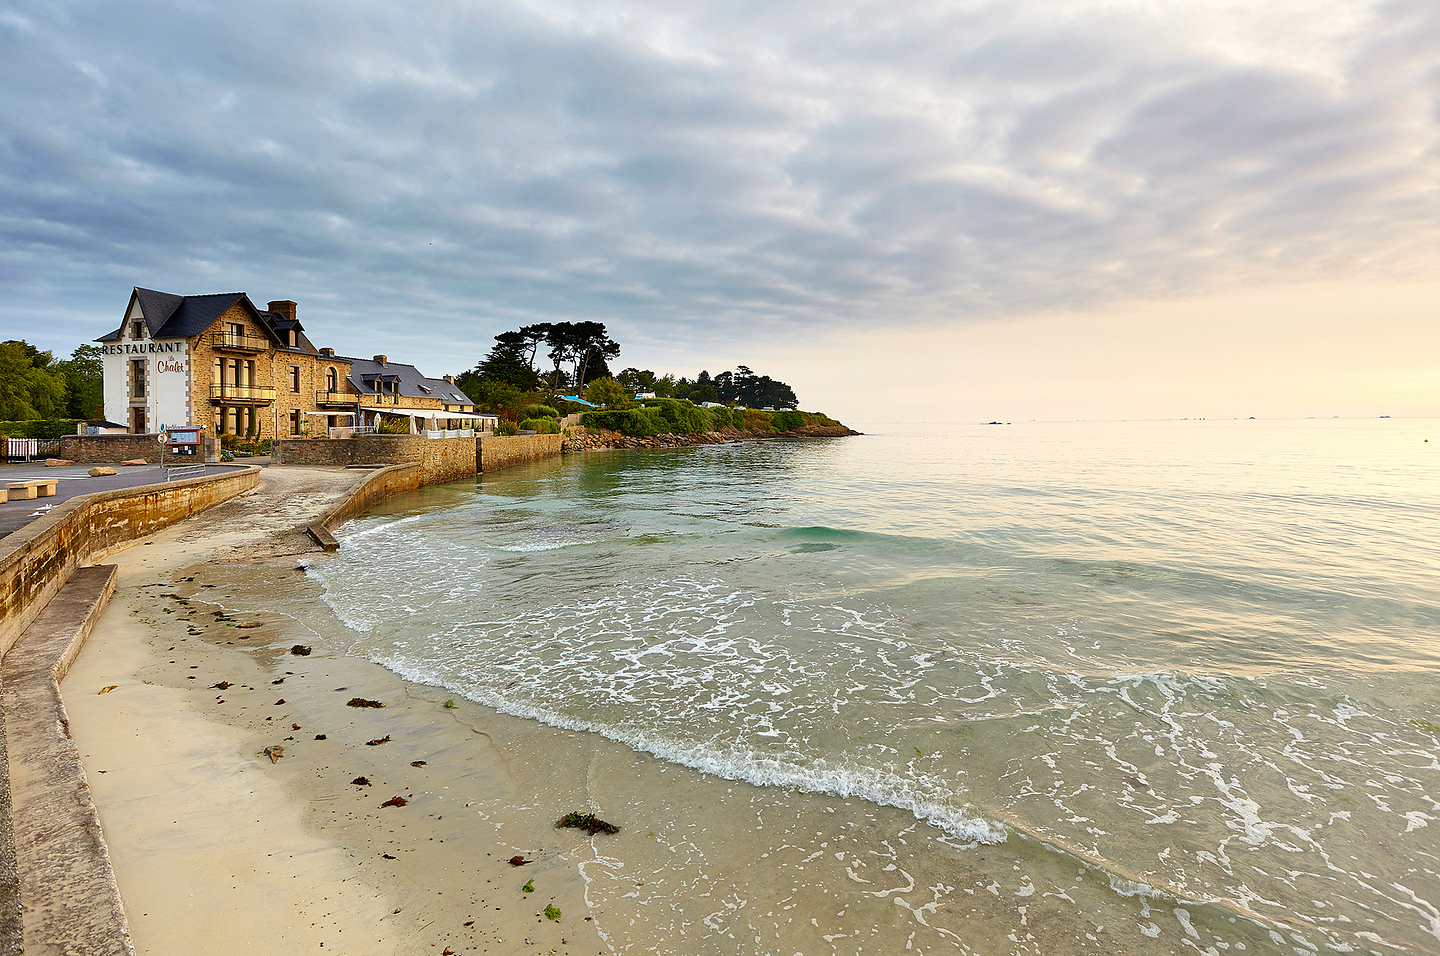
x,y
1017,209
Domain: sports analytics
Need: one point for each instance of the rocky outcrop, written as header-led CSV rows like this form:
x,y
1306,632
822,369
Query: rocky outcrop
x,y
598,438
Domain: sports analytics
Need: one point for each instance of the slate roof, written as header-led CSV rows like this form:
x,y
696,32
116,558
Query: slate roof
x,y
409,382
170,316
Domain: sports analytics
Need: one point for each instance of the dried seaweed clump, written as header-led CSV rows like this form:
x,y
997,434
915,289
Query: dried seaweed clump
x,y
588,822
362,702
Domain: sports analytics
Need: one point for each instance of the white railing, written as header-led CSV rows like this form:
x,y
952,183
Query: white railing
x,y
23,449
181,472
449,433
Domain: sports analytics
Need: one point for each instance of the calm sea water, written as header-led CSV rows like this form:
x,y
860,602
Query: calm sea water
x,y
1194,661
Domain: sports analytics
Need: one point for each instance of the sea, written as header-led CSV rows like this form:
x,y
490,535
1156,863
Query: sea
x,y
1105,687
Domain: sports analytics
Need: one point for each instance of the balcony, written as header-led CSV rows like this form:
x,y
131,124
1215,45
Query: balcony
x,y
347,400
230,342
241,394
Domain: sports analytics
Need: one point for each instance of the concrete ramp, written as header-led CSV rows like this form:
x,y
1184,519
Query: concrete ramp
x,y
68,897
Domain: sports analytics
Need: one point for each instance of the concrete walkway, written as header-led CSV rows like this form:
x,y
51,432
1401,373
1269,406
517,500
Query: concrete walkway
x,y
68,897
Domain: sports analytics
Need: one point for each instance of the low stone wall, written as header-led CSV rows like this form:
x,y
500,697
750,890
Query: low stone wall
x,y
108,449
36,560
502,451
441,459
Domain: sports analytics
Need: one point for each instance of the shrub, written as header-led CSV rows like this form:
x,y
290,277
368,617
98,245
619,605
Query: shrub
x,y
393,425
607,392
634,422
786,421
544,426
540,411
40,428
506,427
678,416
756,421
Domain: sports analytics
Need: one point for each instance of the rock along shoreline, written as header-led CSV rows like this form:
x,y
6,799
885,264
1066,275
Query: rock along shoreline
x,y
599,439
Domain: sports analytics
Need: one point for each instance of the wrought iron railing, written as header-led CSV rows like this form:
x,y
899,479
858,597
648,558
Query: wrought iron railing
x,y
242,393
238,342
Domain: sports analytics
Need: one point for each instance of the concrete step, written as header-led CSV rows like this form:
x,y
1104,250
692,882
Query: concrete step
x,y
68,897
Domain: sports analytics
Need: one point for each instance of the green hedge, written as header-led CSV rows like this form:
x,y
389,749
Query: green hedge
x,y
540,411
40,428
635,422
543,426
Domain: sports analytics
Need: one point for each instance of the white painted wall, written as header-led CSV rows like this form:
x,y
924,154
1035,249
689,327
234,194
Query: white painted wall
x,y
170,376
167,376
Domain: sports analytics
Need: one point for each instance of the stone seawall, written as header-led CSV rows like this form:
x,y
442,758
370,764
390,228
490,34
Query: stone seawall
x,y
440,459
108,449
36,560
502,451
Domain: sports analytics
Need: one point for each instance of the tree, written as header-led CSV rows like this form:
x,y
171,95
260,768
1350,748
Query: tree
x,y
584,345
607,393
84,373
507,361
637,380
532,336
29,387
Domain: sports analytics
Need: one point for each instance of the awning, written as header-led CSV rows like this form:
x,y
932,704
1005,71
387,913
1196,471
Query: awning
x,y
430,413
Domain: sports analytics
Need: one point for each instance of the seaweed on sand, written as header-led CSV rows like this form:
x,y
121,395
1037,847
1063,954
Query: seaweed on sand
x,y
588,822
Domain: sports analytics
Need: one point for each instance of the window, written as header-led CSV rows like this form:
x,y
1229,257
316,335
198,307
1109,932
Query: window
x,y
294,421
332,380
137,378
137,330
295,378
137,421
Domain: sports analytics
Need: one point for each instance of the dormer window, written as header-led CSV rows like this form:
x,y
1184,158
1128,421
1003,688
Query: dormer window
x,y
137,330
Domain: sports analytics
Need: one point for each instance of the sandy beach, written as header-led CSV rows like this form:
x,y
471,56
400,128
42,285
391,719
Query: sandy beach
x,y
218,849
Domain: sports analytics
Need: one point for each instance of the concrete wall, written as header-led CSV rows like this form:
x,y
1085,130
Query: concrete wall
x,y
109,449
385,483
36,560
441,459
502,451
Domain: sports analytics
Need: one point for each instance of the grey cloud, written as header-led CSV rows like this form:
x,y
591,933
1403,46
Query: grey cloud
x,y
688,176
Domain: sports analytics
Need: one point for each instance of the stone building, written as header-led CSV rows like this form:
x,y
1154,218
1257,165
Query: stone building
x,y
218,362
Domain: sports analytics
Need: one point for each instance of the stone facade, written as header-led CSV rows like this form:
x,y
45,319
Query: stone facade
x,y
269,394
109,449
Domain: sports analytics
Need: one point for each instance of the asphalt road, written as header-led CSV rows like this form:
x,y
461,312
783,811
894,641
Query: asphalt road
x,y
74,480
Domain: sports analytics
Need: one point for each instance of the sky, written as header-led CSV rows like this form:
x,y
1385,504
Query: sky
x,y
931,210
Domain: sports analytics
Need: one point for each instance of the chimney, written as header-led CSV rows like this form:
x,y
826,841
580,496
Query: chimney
x,y
284,307
379,359
328,353
449,378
